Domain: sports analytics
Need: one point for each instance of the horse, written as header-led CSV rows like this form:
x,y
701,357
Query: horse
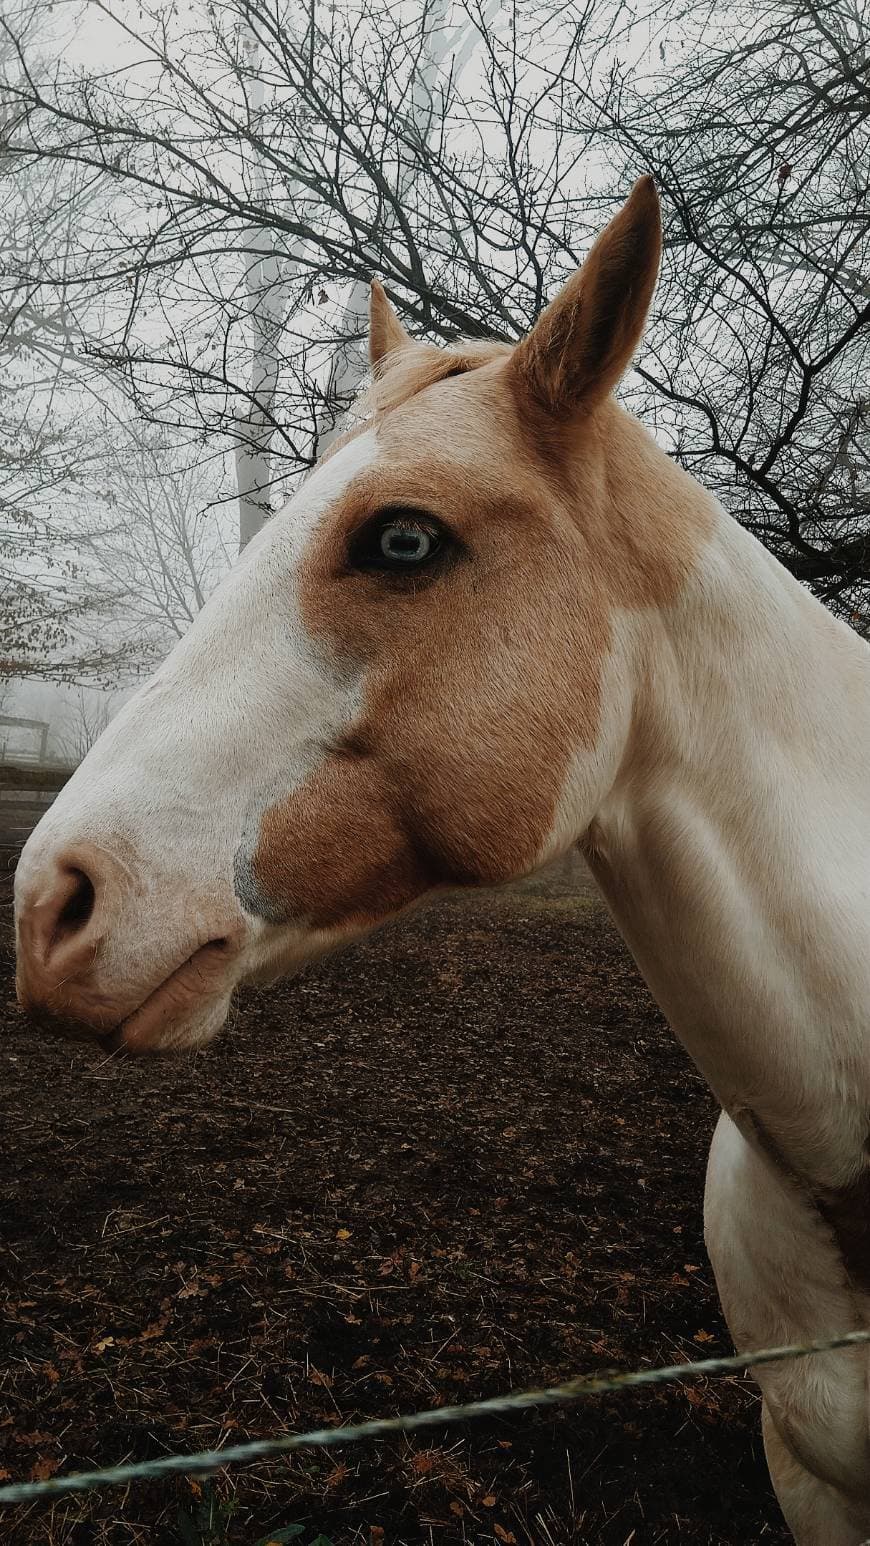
x,y
496,621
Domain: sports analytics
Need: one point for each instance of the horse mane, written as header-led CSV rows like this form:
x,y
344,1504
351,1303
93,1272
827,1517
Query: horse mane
x,y
412,367
405,371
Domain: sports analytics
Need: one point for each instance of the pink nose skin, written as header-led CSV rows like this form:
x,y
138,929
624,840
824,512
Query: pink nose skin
x,y
70,906
61,923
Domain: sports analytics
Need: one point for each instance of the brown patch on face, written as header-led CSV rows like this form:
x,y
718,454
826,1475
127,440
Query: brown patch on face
x,y
359,862
483,680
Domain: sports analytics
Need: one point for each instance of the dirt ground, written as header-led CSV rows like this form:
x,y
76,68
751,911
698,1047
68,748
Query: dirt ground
x,y
464,1157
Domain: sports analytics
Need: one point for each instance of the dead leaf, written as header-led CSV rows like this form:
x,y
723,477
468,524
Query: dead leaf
x,y
155,1329
191,1290
44,1468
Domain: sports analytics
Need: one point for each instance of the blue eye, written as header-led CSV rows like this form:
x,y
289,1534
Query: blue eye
x,y
404,542
397,543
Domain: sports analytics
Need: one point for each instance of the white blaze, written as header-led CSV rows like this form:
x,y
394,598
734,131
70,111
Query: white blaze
x,y
239,714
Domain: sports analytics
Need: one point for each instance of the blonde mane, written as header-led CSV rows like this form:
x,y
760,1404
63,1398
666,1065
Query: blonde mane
x,y
405,371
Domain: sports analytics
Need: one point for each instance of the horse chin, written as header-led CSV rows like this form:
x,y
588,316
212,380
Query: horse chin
x,y
159,1026
175,1019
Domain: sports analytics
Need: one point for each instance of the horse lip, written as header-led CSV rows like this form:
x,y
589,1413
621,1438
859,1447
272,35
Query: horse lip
x,y
204,975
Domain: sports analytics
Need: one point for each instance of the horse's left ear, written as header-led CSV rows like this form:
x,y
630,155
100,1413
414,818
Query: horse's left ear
x,y
385,330
580,346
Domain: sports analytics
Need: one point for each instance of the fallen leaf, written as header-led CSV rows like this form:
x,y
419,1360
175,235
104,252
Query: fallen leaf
x,y
155,1329
44,1468
191,1290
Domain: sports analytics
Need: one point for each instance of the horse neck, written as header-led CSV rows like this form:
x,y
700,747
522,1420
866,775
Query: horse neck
x,y
733,848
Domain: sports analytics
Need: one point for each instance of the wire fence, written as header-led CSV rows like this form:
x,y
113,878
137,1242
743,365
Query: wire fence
x,y
434,1417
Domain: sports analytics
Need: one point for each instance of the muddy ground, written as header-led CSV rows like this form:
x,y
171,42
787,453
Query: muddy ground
x,y
464,1157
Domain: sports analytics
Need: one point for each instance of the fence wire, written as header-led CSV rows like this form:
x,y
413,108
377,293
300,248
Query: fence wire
x,y
434,1417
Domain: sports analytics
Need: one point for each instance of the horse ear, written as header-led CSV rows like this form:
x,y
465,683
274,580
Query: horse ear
x,y
583,341
385,330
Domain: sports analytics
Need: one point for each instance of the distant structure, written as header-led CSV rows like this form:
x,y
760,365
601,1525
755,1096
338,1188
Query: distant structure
x,y
23,740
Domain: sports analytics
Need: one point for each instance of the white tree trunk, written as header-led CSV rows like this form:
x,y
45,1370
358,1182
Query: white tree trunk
x,y
266,304
350,361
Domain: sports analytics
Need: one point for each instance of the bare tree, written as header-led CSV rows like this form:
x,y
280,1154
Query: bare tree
x,y
322,144
760,371
256,166
90,716
158,543
48,610
447,45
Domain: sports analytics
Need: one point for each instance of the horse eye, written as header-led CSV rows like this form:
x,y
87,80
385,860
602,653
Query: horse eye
x,y
406,544
396,543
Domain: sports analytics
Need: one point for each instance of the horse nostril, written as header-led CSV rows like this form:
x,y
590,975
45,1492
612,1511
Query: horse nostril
x,y
63,912
78,907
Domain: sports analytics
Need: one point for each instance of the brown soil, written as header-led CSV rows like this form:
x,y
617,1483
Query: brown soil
x,y
464,1157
